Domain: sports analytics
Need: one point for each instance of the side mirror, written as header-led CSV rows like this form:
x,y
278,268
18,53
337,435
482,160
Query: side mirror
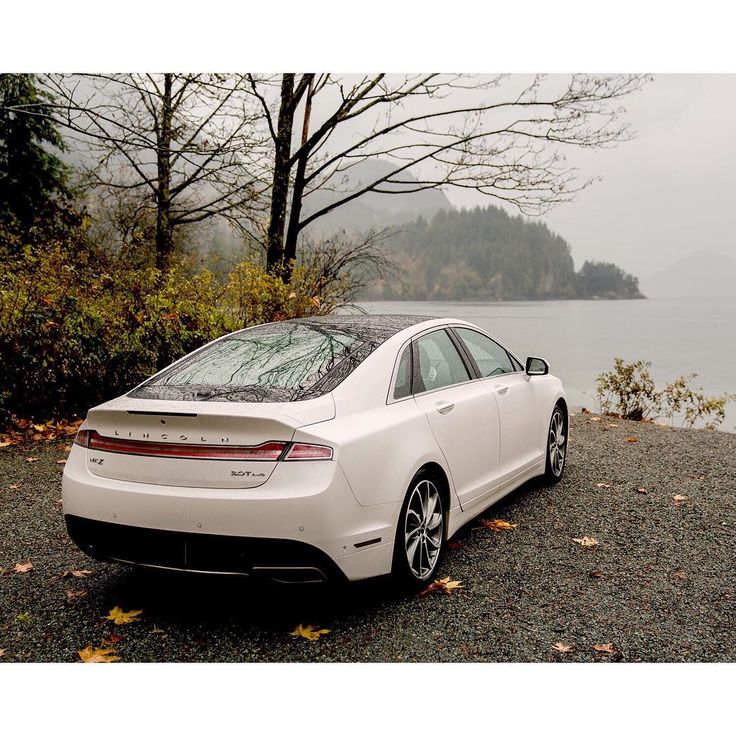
x,y
537,367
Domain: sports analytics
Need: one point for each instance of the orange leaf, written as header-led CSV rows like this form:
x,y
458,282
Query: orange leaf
x,y
111,639
442,585
497,524
605,648
586,541
76,573
170,316
562,648
88,655
632,439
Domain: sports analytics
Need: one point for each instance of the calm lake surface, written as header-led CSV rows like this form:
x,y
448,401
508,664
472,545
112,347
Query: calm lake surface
x,y
580,339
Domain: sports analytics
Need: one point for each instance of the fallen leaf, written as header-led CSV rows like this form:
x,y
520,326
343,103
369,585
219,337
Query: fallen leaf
x,y
632,439
2,652
14,486
310,631
111,639
679,499
31,459
118,616
642,490
605,648
596,574
24,617
442,585
602,485
562,648
88,655
613,425
61,462
680,575
5,444
72,594
497,524
23,567
456,544
156,630
170,316
39,427
595,419
586,541
76,573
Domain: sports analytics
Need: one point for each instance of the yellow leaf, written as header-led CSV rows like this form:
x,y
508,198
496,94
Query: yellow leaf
x,y
586,541
88,655
310,631
498,524
38,427
118,616
22,567
5,444
605,648
562,648
442,585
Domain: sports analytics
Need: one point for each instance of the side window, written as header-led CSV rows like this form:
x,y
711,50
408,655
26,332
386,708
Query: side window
x,y
439,363
489,356
402,387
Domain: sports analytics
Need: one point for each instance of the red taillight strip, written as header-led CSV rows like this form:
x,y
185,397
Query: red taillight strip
x,y
267,451
307,451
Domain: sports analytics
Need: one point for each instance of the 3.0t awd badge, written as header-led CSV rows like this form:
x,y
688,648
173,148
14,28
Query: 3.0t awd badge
x,y
247,474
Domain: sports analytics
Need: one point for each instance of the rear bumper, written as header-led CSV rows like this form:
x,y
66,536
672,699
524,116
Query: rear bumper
x,y
282,560
304,516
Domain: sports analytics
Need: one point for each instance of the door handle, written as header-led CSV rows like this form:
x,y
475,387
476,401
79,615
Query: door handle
x,y
502,391
443,407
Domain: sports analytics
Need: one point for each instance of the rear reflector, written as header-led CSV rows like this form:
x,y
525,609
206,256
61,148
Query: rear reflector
x,y
267,451
304,451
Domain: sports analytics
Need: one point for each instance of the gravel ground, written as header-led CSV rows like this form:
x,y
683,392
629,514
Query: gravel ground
x,y
660,586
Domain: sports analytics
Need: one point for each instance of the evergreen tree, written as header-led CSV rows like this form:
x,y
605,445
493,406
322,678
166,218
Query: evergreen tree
x,y
33,180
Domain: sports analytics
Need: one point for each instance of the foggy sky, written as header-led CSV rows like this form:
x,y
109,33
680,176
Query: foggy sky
x,y
669,192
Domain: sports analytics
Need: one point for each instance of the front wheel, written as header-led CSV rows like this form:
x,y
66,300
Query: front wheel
x,y
420,535
556,446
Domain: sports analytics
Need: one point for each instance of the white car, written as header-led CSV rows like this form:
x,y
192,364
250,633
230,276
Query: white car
x,y
313,449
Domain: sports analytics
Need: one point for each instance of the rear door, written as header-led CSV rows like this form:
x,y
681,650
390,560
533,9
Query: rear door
x,y
462,414
518,405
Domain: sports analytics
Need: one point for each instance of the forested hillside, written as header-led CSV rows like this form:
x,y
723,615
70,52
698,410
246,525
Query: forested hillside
x,y
485,253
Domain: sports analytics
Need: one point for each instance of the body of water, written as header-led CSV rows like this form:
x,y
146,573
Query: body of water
x,y
580,339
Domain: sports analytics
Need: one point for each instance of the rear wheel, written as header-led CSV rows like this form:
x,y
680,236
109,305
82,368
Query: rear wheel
x,y
420,536
556,445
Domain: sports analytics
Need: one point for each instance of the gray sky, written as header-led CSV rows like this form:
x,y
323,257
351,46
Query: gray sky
x,y
666,194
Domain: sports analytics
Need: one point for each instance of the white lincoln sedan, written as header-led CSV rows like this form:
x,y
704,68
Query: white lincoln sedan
x,y
314,449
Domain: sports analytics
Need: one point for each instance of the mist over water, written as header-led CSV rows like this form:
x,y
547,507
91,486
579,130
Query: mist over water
x,y
580,339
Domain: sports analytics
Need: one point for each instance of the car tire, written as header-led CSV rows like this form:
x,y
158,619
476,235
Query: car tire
x,y
420,533
557,437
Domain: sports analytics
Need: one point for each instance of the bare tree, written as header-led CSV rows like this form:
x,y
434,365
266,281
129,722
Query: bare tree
x,y
180,145
498,137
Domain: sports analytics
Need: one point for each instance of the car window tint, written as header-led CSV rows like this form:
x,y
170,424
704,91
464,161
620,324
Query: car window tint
x,y
402,388
489,356
440,363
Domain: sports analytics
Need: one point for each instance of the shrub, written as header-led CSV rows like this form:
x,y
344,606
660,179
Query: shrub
x,y
629,391
77,329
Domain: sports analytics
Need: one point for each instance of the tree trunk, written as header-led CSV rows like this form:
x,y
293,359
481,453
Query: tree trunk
x,y
164,228
292,233
280,187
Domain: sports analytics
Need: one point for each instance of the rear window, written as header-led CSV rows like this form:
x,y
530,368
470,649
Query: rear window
x,y
286,361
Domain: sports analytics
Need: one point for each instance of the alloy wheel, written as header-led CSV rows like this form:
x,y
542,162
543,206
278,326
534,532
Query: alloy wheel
x,y
557,443
423,529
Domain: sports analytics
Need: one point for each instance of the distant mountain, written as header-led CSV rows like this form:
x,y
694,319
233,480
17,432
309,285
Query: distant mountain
x,y
486,254
372,211
705,273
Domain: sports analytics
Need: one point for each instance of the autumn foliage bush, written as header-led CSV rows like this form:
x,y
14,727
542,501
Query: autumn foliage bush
x,y
77,328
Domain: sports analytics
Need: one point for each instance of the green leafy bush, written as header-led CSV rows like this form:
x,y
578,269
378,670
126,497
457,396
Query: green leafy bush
x,y
77,328
629,391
